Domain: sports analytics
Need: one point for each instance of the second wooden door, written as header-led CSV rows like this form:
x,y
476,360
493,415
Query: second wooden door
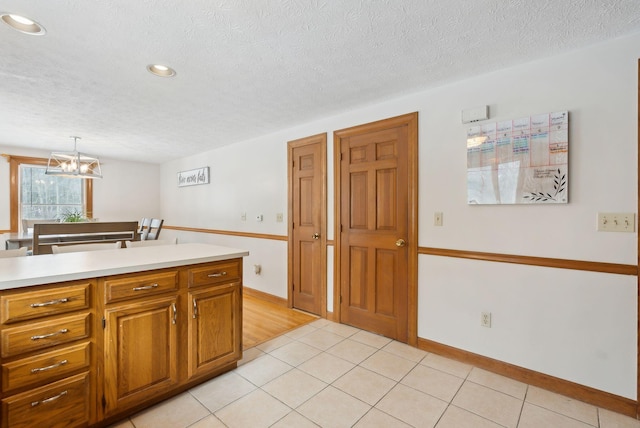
x,y
375,233
307,240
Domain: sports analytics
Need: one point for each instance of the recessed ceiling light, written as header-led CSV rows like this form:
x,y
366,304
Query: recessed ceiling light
x,y
22,24
161,70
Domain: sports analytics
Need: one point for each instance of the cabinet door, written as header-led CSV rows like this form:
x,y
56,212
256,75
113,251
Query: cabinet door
x,y
215,328
140,352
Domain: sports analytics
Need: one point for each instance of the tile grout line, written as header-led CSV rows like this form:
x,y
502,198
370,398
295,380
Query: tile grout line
x,y
566,416
524,400
450,403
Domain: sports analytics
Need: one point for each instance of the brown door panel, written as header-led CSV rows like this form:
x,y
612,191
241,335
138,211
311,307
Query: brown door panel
x,y
375,221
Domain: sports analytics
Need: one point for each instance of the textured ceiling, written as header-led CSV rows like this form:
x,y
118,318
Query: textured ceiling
x,y
250,67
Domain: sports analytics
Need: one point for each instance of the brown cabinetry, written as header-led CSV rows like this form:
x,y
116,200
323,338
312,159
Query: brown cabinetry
x,y
45,367
87,353
41,335
215,273
141,352
46,355
43,302
62,404
215,327
168,329
127,287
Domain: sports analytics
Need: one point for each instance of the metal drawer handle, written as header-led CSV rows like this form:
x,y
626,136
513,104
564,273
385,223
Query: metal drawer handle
x,y
52,366
145,287
216,275
49,400
45,336
195,308
175,313
50,302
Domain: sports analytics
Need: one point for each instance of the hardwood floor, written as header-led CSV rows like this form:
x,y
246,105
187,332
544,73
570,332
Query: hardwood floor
x,y
262,320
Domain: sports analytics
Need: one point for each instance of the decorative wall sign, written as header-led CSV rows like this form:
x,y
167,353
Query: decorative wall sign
x,y
193,177
521,161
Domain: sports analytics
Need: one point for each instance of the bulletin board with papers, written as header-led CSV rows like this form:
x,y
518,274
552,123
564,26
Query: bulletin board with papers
x,y
519,161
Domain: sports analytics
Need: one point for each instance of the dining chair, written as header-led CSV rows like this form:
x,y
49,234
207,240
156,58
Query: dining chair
x,y
144,224
27,224
153,231
57,249
150,243
22,251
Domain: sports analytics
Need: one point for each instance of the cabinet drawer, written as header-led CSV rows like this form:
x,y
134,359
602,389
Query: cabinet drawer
x,y
45,367
61,404
34,336
40,303
132,286
220,272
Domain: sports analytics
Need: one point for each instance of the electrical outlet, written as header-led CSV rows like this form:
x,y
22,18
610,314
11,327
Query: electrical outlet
x,y
279,217
485,319
259,218
616,222
243,216
437,218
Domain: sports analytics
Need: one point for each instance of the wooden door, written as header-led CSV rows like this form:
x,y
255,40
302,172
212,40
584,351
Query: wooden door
x,y
141,352
215,328
377,231
307,226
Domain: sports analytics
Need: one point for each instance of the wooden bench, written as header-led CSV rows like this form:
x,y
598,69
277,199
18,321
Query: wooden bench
x,y
47,234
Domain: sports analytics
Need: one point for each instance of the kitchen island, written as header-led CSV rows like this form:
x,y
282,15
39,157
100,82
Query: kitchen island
x,y
88,338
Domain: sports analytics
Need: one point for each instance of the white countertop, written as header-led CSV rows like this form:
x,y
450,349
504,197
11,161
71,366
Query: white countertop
x,y
49,268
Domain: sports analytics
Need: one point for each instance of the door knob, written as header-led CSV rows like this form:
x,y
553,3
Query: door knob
x,y
401,243
316,235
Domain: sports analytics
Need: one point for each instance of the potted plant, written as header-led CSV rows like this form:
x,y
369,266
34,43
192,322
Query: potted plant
x,y
72,216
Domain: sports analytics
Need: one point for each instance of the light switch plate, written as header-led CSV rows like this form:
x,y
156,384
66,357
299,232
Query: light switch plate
x,y
437,218
616,222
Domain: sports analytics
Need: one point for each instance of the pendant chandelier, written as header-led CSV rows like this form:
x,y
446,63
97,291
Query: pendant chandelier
x,y
73,164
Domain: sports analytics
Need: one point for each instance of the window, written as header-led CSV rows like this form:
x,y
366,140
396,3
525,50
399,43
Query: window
x,y
45,197
34,195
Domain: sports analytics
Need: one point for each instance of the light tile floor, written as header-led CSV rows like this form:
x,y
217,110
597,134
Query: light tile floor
x,y
332,375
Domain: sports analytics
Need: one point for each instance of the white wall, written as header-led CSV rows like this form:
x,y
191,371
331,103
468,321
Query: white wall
x,y
599,88
244,178
128,191
580,326
271,255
